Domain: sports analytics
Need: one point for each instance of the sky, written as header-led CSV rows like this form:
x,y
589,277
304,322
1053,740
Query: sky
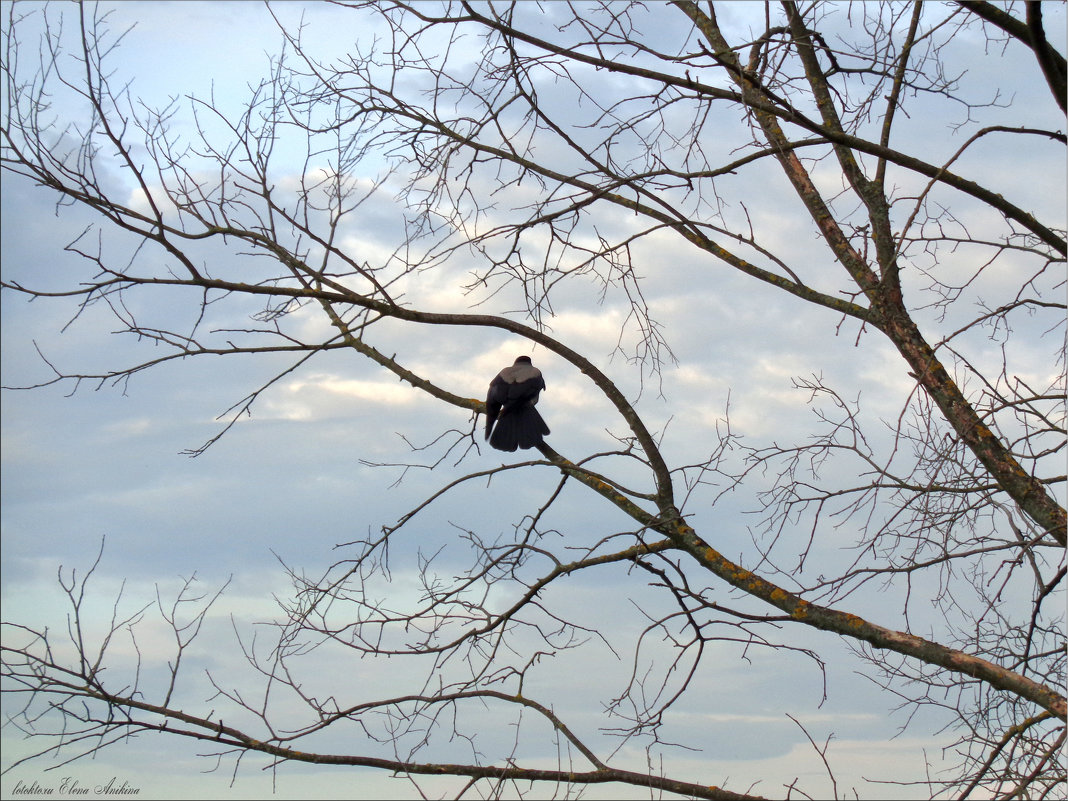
x,y
316,464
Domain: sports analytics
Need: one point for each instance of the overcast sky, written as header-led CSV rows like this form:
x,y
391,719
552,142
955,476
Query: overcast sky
x,y
290,483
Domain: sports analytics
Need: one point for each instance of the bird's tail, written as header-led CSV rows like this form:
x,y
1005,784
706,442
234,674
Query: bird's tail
x,y
491,421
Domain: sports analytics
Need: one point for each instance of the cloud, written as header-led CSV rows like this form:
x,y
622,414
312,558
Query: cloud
x,y
319,396
292,479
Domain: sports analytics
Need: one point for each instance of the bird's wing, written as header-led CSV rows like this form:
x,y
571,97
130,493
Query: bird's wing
x,y
495,399
522,392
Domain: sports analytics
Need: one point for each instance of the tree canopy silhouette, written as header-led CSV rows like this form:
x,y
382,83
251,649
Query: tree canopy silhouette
x,y
541,159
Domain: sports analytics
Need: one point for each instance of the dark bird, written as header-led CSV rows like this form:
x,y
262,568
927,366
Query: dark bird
x,y
511,419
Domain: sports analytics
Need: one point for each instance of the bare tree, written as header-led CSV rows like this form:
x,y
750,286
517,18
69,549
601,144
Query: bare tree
x,y
508,155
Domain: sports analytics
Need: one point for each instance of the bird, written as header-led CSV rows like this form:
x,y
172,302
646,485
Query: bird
x,y
511,419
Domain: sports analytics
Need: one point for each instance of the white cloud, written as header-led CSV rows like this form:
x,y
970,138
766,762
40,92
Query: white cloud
x,y
291,480
315,396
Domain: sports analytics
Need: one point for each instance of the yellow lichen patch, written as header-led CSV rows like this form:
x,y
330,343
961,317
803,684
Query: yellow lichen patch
x,y
741,575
